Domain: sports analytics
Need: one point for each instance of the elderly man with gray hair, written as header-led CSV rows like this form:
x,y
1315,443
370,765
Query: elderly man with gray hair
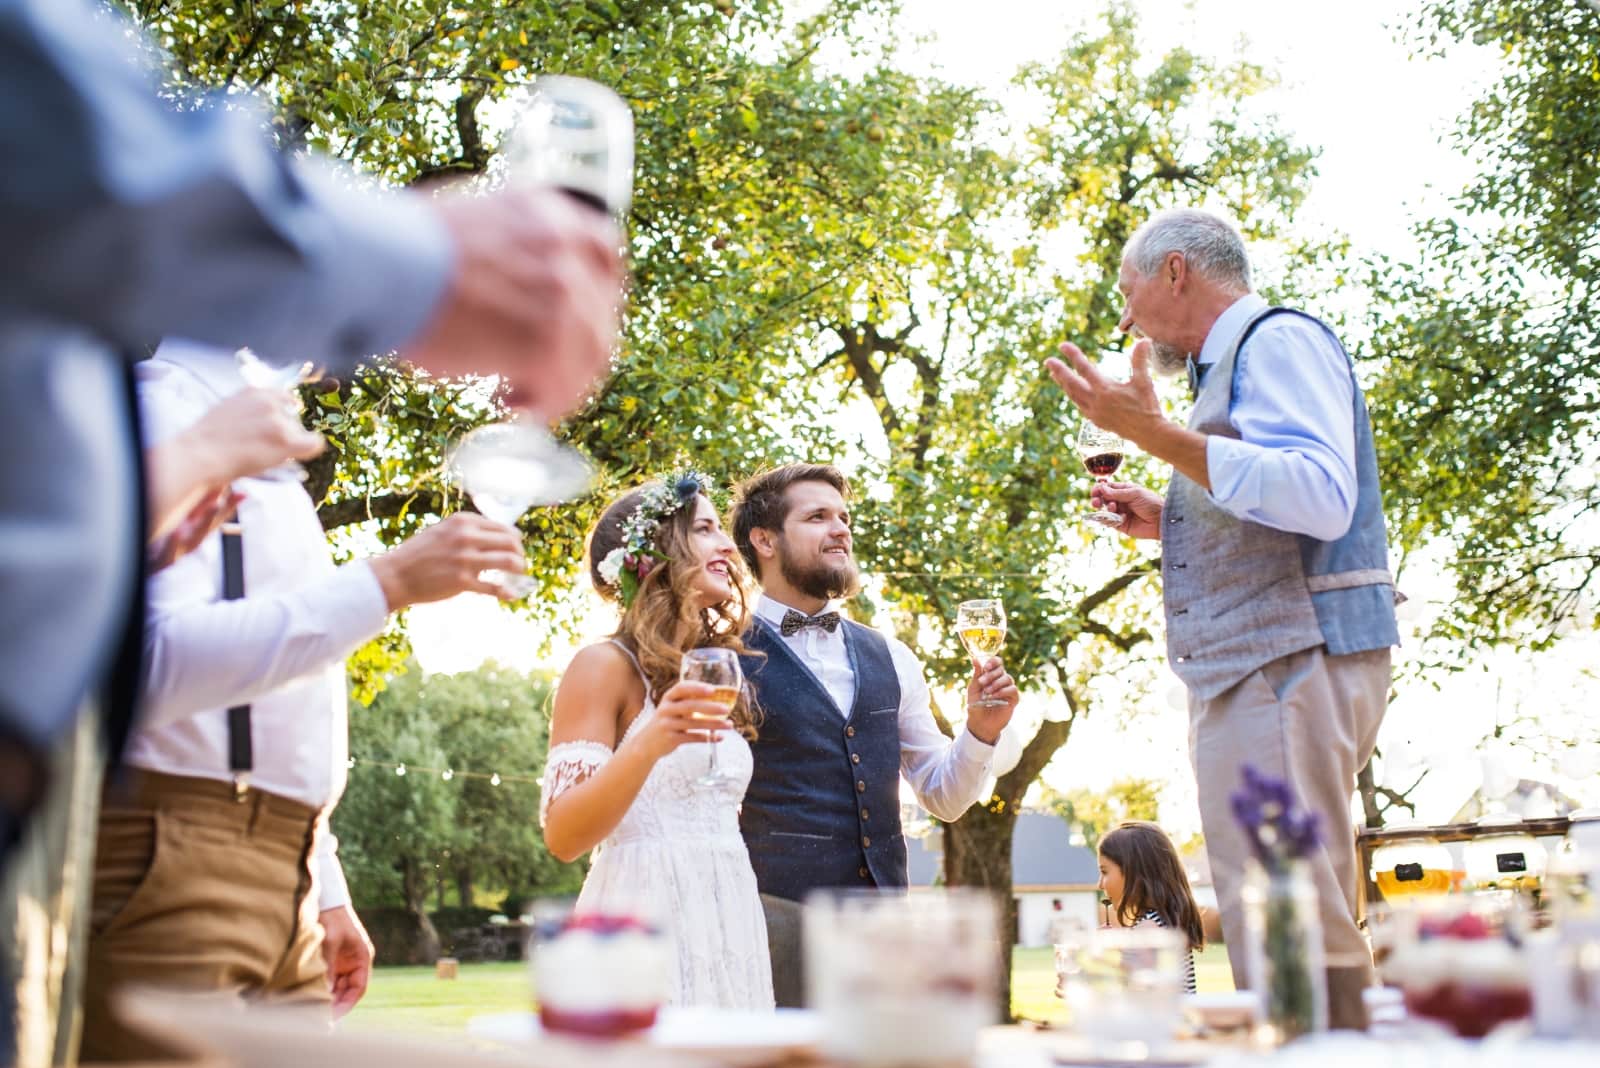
x,y
1279,600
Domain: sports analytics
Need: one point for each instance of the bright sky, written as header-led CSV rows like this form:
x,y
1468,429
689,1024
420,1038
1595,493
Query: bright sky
x,y
1378,115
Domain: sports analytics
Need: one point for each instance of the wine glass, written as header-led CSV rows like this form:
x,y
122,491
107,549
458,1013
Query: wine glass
x,y
981,626
719,669
260,374
577,136
1101,452
507,468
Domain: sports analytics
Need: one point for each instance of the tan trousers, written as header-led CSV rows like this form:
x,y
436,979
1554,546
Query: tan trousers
x,y
1312,720
196,890
44,902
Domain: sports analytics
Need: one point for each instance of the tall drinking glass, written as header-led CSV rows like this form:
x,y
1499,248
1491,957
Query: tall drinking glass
x,y
577,136
719,669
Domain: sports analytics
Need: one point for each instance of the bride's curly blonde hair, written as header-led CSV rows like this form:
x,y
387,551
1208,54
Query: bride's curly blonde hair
x,y
662,621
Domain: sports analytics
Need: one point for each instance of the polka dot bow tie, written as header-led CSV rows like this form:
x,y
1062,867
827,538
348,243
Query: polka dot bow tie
x,y
793,622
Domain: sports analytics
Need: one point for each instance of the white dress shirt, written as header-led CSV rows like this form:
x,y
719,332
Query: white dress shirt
x,y
1293,466
946,775
281,648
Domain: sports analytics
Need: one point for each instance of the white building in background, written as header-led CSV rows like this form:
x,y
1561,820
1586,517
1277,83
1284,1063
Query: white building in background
x,y
1050,877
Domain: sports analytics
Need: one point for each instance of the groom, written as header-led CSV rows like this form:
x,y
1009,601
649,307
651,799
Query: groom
x,y
844,713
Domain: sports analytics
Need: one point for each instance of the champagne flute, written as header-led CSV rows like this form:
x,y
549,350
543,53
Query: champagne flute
x,y
260,374
981,626
719,669
1101,452
507,468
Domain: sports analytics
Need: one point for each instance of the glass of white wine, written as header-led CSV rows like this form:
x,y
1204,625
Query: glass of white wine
x,y
719,669
507,468
981,625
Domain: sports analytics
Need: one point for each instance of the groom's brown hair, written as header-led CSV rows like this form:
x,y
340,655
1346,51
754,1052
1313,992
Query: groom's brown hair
x,y
760,501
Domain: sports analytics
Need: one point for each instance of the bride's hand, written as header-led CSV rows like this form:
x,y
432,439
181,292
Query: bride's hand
x,y
684,715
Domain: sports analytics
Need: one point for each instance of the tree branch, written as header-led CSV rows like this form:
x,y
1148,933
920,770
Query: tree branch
x,y
337,514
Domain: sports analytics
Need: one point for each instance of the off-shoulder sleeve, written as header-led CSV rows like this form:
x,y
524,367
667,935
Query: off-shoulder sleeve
x,y
567,765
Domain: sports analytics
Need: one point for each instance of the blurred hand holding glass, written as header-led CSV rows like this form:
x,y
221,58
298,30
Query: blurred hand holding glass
x,y
902,979
259,374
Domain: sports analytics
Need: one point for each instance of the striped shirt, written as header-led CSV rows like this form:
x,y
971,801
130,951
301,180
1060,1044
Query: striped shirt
x,y
1152,916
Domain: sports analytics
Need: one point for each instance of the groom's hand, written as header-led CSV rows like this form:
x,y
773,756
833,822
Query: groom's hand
x,y
990,682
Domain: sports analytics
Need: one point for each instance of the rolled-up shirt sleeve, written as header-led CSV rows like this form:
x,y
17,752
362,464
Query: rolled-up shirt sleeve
x,y
947,775
142,221
332,890
204,655
1293,466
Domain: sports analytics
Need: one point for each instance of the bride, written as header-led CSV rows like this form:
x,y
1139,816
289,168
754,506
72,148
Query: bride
x,y
628,741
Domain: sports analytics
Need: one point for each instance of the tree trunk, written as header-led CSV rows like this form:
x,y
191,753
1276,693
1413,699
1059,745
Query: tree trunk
x,y
1367,787
464,886
977,852
414,883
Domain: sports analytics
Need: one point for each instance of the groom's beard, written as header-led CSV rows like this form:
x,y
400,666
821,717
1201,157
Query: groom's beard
x,y
821,579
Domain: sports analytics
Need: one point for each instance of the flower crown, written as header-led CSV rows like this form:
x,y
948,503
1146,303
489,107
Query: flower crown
x,y
625,568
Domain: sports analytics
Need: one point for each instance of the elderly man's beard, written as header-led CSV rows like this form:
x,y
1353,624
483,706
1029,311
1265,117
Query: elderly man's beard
x,y
1169,359
820,579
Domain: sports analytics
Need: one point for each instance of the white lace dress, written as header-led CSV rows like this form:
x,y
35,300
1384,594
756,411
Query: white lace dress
x,y
678,852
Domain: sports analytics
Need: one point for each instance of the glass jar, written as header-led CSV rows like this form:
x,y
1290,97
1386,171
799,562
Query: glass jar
x,y
1510,859
1284,941
1414,867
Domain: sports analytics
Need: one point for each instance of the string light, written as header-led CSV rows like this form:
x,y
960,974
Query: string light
x,y
402,769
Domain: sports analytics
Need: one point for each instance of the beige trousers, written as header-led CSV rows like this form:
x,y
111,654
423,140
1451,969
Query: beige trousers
x,y
197,890
44,902
1312,720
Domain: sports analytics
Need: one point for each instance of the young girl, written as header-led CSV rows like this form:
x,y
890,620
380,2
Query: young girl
x,y
1144,883
628,743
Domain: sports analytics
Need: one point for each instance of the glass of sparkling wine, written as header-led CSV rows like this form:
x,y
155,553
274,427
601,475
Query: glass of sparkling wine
x,y
981,625
507,468
719,669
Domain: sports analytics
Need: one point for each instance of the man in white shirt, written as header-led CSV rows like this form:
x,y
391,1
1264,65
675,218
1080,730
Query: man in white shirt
x,y
211,880
845,713
1274,560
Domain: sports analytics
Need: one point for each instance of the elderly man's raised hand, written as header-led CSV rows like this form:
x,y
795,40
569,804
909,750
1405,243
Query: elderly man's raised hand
x,y
535,297
1128,409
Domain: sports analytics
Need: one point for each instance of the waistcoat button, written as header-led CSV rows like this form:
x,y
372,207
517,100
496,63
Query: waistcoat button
x,y
866,843
855,758
861,786
849,732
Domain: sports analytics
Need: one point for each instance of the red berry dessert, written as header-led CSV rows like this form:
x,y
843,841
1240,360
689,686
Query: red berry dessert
x,y
601,976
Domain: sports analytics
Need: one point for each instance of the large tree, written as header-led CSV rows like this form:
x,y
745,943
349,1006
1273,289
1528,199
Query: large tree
x,y
1488,343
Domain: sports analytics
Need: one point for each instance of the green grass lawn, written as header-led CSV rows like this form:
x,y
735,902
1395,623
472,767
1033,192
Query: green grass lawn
x,y
412,1000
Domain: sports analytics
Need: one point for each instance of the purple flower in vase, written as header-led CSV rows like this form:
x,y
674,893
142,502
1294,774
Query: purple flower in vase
x,y
1279,831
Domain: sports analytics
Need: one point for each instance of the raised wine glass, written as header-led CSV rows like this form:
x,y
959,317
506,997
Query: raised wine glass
x,y
719,669
507,468
259,374
981,626
1101,452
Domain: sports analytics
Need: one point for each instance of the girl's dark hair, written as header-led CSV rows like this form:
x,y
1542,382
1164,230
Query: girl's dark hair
x,y
1153,879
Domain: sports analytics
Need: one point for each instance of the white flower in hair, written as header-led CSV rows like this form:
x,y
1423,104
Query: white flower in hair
x,y
611,567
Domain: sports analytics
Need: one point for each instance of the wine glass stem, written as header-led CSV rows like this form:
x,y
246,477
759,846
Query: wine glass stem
x,y
712,771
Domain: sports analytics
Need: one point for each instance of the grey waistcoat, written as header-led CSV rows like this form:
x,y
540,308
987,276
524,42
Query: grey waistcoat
x,y
1240,595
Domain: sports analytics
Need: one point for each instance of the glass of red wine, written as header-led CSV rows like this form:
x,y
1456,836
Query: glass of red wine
x,y
1101,452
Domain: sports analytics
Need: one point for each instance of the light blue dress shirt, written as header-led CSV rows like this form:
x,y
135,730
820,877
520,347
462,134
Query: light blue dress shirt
x,y
1293,466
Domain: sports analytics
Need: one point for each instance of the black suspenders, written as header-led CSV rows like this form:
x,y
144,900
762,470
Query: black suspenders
x,y
240,756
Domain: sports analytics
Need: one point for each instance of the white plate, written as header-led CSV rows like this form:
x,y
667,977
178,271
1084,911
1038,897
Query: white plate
x,y
728,1036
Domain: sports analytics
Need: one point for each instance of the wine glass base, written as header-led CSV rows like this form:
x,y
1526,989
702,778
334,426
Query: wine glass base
x,y
715,778
1103,520
514,585
988,702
